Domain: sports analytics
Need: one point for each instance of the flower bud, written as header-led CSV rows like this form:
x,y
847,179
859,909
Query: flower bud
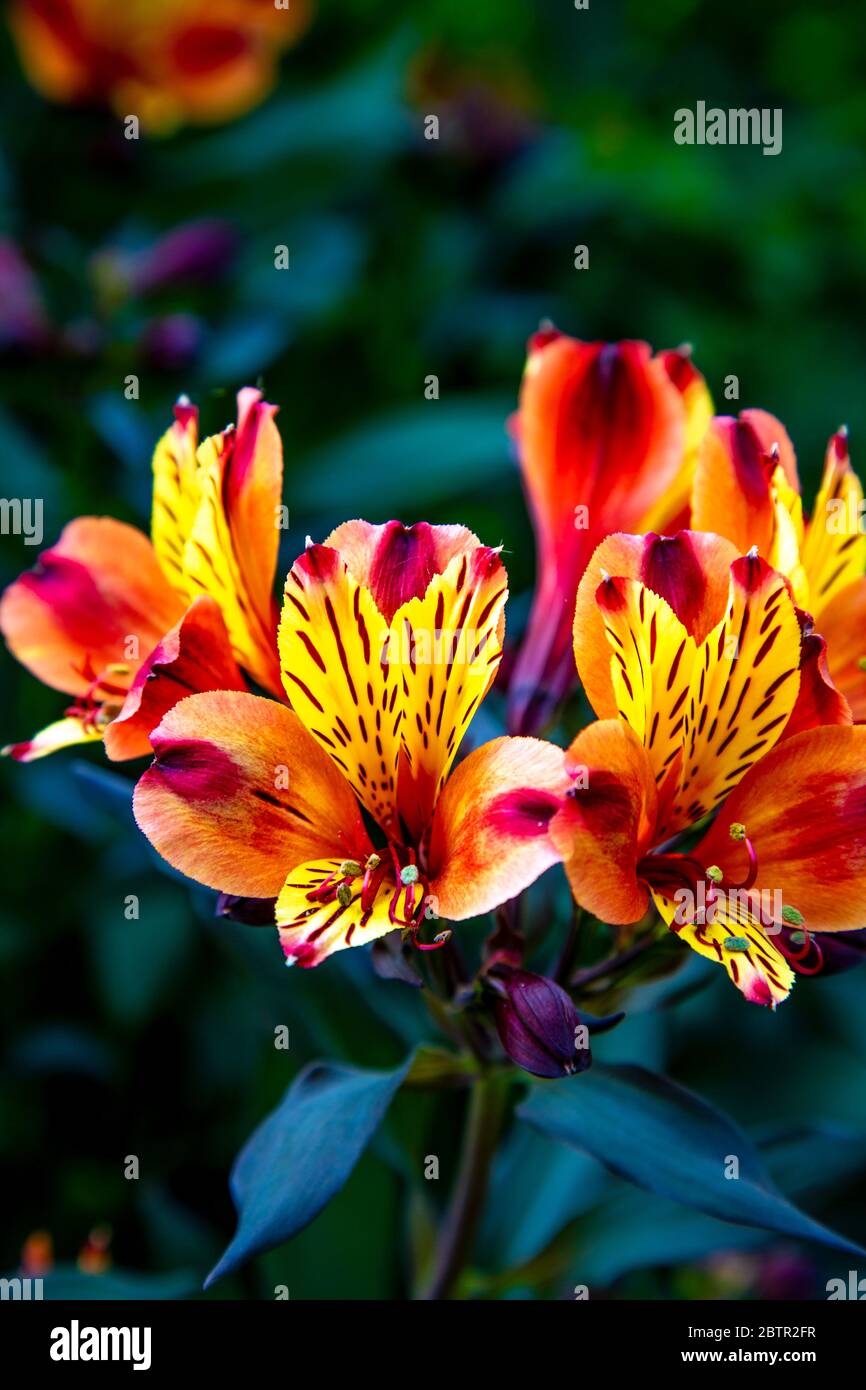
x,y
539,1027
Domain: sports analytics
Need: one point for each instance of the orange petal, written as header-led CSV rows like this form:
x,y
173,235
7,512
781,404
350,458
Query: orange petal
x,y
490,837
671,513
843,624
608,821
96,603
601,434
239,794
690,571
732,494
819,701
195,656
804,809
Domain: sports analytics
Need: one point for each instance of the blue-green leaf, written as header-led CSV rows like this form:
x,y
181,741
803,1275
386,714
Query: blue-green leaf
x,y
663,1138
302,1154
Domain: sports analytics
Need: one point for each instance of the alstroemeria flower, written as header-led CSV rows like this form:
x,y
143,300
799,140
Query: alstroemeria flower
x,y
167,62
390,637
127,626
606,435
746,488
694,660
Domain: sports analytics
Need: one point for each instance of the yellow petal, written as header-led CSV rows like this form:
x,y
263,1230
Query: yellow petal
x,y
736,940
311,930
744,685
834,552
446,648
333,644
652,657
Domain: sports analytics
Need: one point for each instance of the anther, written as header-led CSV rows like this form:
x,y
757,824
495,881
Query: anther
x,y
350,868
735,943
737,831
409,874
344,895
714,874
792,917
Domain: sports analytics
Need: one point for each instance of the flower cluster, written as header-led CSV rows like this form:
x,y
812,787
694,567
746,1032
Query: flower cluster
x,y
308,757
169,63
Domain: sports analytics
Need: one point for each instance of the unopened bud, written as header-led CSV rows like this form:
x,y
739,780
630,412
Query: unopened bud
x,y
536,1022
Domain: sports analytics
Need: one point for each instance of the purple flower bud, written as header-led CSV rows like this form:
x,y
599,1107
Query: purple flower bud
x,y
539,1027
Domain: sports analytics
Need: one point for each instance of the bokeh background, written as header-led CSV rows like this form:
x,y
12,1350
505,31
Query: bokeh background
x,y
409,257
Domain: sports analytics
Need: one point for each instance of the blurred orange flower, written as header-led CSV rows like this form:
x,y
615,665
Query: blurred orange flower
x,y
166,61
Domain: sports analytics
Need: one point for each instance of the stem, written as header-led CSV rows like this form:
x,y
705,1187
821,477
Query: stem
x,y
486,1105
612,964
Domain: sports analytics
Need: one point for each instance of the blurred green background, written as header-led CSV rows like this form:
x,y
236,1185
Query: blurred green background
x,y
409,257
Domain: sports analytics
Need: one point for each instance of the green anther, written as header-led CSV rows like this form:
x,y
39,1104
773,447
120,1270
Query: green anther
x,y
344,895
735,943
792,917
350,868
861,662
737,831
409,874
373,862
798,938
714,874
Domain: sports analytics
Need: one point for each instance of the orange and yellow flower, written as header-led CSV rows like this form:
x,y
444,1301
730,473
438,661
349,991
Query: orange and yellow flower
x,y
607,436
389,638
127,625
712,700
746,488
166,61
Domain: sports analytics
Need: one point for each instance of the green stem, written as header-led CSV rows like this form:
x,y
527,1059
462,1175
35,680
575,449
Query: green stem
x,y
457,1237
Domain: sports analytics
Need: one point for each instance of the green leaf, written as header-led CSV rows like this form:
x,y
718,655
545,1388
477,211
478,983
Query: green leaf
x,y
665,1139
303,1153
417,456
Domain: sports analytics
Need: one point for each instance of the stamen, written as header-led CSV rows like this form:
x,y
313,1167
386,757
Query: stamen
x,y
736,943
793,918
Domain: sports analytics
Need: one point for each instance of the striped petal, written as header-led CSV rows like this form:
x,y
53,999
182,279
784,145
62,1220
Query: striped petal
x,y
388,691
333,644
834,551
447,647
239,794
311,931
652,661
689,571
735,939
231,549
743,687
176,492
